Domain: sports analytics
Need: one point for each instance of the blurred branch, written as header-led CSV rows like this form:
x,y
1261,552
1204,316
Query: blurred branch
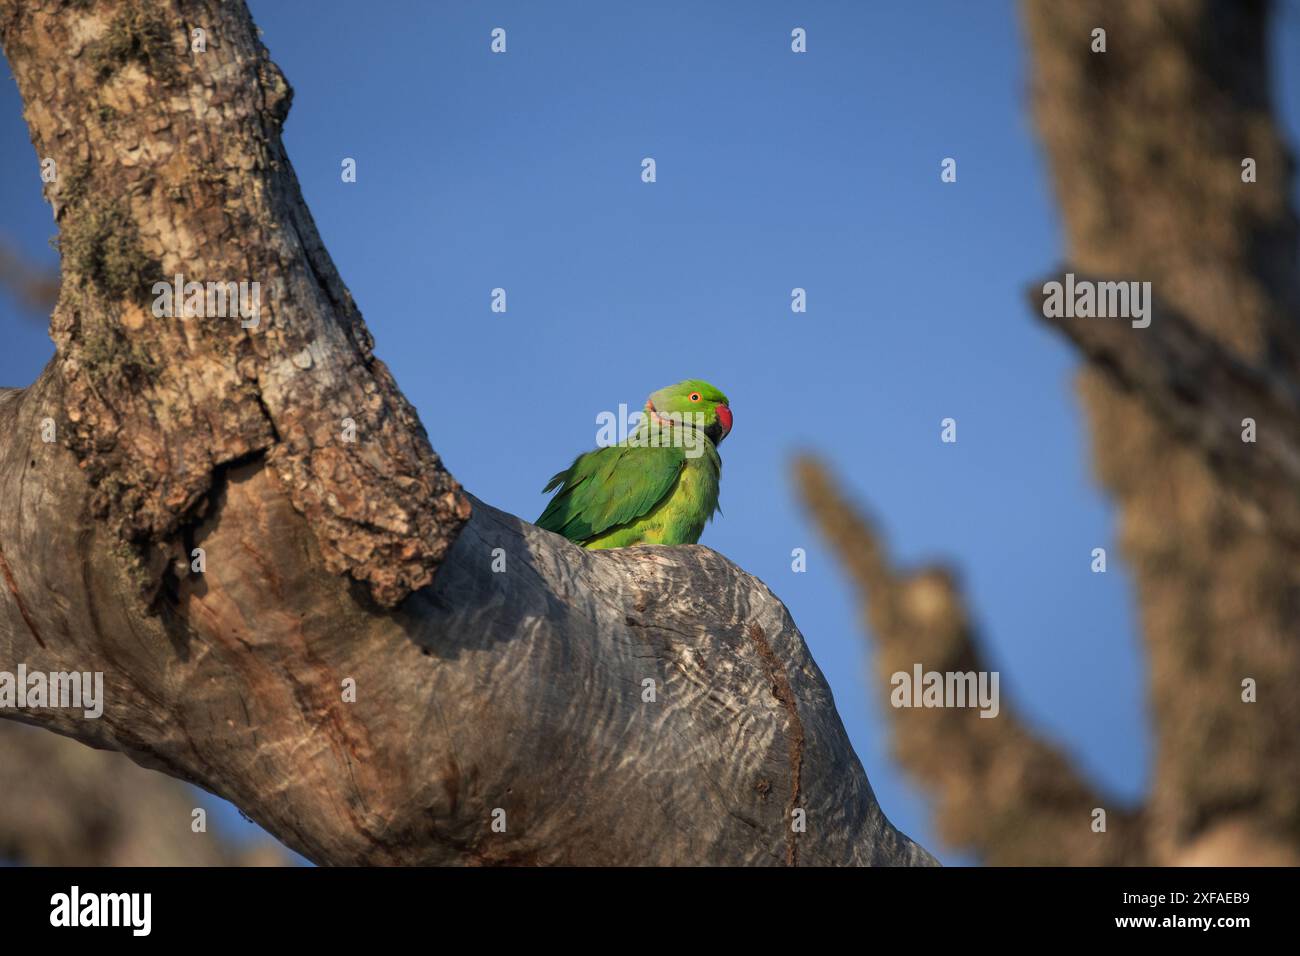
x,y
1149,145
999,789
1147,142
35,287
68,805
1203,394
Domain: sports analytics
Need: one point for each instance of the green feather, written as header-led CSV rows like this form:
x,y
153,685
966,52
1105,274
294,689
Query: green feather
x,y
609,487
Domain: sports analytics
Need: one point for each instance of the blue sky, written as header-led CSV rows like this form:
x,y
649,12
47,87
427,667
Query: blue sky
x,y
775,170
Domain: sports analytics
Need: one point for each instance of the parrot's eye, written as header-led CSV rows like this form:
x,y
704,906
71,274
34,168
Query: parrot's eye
x,y
695,396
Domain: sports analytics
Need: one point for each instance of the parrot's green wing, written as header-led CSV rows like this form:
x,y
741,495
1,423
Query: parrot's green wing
x,y
609,487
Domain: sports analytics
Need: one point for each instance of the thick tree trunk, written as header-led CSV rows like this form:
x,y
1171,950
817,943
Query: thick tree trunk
x,y
650,705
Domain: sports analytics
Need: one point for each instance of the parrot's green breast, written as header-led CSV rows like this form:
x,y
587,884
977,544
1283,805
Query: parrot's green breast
x,y
680,516
624,495
660,486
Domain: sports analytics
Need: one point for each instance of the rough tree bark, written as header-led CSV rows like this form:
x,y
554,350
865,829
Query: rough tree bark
x,y
523,692
66,804
1146,143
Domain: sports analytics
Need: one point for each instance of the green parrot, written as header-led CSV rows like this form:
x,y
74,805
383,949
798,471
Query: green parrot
x,y
658,486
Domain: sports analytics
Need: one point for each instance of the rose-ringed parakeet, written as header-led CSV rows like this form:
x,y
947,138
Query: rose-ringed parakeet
x,y
659,486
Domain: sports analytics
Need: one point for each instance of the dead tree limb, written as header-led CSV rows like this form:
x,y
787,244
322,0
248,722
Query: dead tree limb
x,y
646,706
998,787
1148,143
168,162
1149,146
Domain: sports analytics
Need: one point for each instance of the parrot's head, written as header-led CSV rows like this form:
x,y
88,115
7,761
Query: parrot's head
x,y
691,398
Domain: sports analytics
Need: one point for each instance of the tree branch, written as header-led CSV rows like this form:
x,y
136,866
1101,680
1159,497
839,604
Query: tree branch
x,y
1205,396
1000,789
33,288
642,706
1148,145
168,162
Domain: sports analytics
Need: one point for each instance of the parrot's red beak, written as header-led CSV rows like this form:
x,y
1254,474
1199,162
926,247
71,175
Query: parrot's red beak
x,y
724,419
